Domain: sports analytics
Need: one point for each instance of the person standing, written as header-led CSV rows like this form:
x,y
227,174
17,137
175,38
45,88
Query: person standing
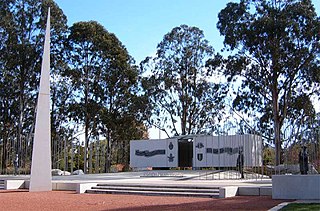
x,y
240,163
303,160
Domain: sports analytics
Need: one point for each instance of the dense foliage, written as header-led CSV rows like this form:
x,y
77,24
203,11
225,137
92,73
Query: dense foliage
x,y
184,99
94,86
276,59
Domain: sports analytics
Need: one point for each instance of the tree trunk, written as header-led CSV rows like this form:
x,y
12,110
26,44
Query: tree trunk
x,y
4,151
96,164
90,158
86,141
277,141
108,154
86,132
65,166
19,133
276,120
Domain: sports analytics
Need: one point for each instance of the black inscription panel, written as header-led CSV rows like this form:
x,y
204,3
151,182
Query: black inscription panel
x,y
148,153
228,150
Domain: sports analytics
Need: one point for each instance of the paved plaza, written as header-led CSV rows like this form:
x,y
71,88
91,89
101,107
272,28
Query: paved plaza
x,y
67,199
187,177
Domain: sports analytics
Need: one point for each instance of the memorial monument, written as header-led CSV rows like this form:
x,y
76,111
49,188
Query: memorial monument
x,y
197,151
40,179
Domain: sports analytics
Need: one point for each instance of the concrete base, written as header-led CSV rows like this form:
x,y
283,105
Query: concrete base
x,y
57,185
64,186
265,191
80,183
255,191
230,191
224,192
305,187
13,184
249,191
82,187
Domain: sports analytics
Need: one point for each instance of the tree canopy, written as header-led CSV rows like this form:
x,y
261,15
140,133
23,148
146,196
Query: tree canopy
x,y
21,43
105,84
276,58
94,83
184,100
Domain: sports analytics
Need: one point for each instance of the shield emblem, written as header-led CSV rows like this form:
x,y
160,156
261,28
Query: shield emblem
x,y
199,156
170,146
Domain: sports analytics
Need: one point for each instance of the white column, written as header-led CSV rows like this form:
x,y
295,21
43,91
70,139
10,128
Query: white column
x,y
40,179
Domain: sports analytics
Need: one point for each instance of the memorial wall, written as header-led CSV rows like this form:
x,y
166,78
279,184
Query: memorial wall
x,y
197,151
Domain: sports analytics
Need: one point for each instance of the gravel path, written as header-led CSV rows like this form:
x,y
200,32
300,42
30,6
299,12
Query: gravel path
x,y
69,200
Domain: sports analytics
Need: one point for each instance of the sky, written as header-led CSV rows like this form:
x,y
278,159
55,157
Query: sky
x,y
141,24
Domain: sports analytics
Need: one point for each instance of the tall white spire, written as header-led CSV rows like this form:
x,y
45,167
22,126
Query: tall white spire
x,y
40,179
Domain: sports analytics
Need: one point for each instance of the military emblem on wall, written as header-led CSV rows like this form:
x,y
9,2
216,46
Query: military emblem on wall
x,y
199,145
170,146
171,157
200,156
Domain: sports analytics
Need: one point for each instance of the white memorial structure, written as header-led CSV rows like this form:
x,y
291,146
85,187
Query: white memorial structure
x,y
40,179
196,151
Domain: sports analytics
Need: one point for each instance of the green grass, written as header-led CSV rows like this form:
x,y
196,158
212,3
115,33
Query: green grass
x,y
301,206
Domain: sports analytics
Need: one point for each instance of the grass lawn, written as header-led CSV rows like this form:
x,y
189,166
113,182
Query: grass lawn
x,y
301,206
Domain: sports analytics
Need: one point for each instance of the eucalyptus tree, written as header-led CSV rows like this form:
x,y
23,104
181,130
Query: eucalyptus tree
x,y
185,99
276,49
123,120
124,113
105,84
84,73
8,104
19,58
21,43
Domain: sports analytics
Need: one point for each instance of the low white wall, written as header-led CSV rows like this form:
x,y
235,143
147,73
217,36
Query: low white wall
x,y
82,187
24,184
64,186
229,191
13,184
296,187
57,185
249,191
255,191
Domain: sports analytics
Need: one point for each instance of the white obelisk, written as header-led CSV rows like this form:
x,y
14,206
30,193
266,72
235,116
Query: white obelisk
x,y
40,179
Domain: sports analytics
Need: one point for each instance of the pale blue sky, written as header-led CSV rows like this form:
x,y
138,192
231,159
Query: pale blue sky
x,y
141,24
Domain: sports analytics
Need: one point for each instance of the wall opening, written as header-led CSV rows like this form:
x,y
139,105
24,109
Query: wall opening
x,y
185,153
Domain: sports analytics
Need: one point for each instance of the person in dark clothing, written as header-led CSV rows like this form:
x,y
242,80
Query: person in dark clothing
x,y
240,162
303,160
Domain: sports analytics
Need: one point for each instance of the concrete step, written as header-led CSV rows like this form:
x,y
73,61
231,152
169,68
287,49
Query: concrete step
x,y
184,186
153,193
164,190
1,184
160,189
